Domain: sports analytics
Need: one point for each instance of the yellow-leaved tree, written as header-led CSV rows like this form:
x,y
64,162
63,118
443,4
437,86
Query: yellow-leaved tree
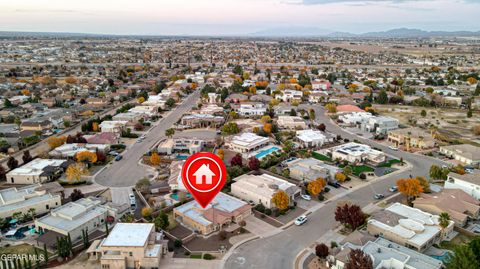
x,y
55,142
155,159
281,200
75,172
86,157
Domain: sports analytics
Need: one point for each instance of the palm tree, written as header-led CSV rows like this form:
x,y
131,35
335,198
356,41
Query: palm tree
x,y
31,213
444,220
17,215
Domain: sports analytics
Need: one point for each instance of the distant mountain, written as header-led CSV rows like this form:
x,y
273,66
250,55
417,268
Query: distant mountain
x,y
394,33
292,32
407,32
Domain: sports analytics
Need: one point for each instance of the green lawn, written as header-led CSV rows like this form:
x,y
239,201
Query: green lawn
x,y
196,256
357,170
389,163
321,157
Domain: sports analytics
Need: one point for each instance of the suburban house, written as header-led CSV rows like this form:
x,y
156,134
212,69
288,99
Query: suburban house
x,y
385,254
312,138
260,189
175,179
82,215
202,120
291,122
457,203
157,101
146,112
109,126
464,153
70,150
40,198
356,153
469,183
317,97
290,95
380,125
411,138
408,226
246,142
342,109
222,211
37,171
284,109
251,109
323,85
35,125
190,145
130,117
355,118
103,138
130,245
310,169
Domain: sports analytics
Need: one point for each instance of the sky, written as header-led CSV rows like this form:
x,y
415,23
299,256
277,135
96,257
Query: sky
x,y
234,17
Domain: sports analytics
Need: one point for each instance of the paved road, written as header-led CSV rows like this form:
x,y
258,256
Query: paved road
x,y
279,251
128,171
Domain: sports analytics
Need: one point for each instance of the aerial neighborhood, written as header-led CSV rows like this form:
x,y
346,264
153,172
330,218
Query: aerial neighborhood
x,y
331,158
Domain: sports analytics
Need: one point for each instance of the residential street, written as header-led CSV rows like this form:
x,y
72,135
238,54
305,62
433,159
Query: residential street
x,y
279,251
128,171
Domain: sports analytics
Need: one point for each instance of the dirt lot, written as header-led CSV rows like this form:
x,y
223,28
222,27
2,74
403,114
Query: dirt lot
x,y
450,122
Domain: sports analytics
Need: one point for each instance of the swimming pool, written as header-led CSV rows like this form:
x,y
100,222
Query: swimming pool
x,y
182,157
265,152
174,196
442,257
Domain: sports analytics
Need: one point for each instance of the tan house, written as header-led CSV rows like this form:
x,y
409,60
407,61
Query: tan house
x,y
130,245
223,210
411,138
408,226
457,203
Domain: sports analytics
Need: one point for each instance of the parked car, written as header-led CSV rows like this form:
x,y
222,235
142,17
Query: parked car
x,y
378,196
393,148
301,220
113,153
336,185
393,189
306,197
118,158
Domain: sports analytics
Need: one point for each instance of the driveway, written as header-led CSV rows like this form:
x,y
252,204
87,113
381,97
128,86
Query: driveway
x,y
258,227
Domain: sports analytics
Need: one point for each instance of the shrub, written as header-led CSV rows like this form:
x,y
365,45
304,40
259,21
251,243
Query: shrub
x,y
268,211
208,256
260,208
321,197
333,244
326,190
363,176
275,212
177,243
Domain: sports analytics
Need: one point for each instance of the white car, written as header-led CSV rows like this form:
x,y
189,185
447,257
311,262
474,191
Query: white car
x,y
393,189
393,148
301,220
306,197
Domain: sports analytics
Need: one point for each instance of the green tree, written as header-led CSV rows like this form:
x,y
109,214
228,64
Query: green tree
x,y
444,219
169,132
462,258
230,128
382,97
423,113
161,221
170,102
469,113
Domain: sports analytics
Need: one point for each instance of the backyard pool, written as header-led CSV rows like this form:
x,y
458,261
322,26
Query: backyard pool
x,y
174,196
182,157
265,152
442,257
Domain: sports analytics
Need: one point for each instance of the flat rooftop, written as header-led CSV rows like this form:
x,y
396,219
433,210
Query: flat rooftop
x,y
129,235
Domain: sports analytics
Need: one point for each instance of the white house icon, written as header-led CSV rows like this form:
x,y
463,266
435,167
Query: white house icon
x,y
204,171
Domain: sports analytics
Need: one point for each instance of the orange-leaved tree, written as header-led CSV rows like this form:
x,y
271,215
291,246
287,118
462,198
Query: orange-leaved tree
x,y
281,200
75,172
155,158
86,157
410,187
55,142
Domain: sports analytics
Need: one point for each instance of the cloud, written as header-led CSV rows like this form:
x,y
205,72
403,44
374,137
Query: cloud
x,y
358,2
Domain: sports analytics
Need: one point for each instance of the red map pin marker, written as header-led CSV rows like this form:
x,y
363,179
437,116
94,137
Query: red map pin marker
x,y
204,174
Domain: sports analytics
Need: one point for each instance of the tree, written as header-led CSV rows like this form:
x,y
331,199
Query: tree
x,y
253,163
424,183
27,157
267,128
221,154
351,216
357,259
155,159
86,157
143,185
95,126
55,142
331,108
161,221
382,97
230,128
410,187
12,163
437,172
469,113
322,127
2,173
281,200
462,258
265,119
347,170
170,102
236,160
141,99
321,250
101,157
315,187
423,113
75,172
340,177
76,195
169,132
444,220
146,212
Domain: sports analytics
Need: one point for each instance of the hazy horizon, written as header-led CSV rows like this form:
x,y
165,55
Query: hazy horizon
x,y
236,17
